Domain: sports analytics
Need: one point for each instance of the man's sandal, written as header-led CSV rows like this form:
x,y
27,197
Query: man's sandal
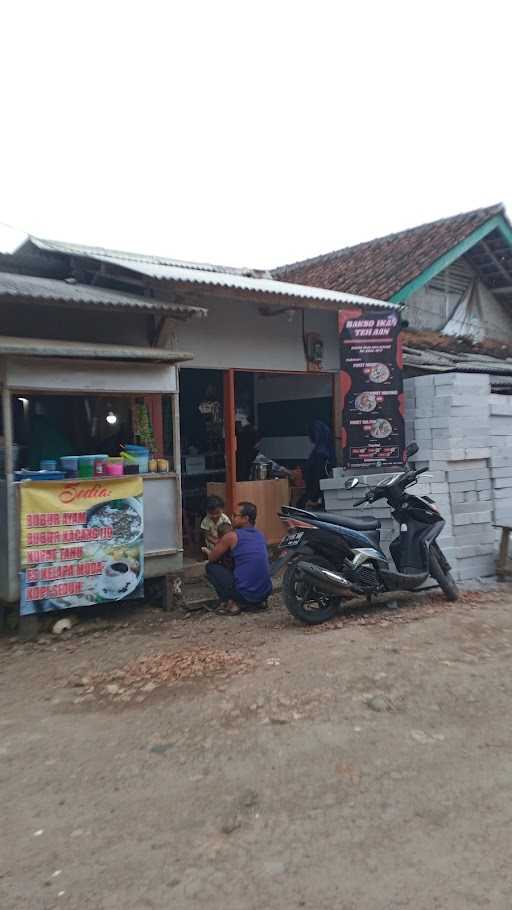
x,y
229,609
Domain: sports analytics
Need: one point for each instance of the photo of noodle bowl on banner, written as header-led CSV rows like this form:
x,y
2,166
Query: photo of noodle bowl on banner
x,y
82,543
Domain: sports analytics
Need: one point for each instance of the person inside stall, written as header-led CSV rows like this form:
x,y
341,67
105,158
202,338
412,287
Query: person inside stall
x,y
248,585
321,459
247,439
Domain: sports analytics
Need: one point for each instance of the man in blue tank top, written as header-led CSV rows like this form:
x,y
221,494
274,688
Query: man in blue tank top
x,y
249,584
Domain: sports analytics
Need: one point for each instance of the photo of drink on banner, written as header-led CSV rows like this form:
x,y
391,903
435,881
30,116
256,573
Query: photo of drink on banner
x,y
82,543
372,391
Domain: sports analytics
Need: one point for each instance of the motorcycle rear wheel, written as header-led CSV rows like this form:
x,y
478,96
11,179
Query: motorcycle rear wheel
x,y
301,598
444,579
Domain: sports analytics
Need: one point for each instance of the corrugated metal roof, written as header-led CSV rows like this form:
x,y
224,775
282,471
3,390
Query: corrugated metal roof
x,y
97,252
44,347
218,276
434,361
246,283
56,291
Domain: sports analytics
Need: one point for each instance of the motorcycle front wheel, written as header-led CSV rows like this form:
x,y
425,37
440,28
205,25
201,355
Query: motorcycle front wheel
x,y
443,577
302,599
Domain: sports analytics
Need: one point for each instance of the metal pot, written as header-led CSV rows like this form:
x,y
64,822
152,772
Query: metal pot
x,y
261,470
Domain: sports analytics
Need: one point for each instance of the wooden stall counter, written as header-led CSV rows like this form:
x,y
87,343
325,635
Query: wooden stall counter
x,y
267,495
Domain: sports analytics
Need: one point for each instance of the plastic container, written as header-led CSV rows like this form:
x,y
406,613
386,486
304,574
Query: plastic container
x,y
136,450
114,469
69,464
131,467
90,457
140,455
39,475
48,464
141,460
86,469
100,464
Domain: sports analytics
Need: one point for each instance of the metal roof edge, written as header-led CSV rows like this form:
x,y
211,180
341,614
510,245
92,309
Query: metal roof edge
x,y
11,345
287,289
102,253
191,273
58,291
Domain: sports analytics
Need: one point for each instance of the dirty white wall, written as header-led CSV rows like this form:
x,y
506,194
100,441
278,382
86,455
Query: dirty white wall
x,y
432,306
236,335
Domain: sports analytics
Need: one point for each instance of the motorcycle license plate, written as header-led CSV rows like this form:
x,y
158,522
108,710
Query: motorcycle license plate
x,y
291,540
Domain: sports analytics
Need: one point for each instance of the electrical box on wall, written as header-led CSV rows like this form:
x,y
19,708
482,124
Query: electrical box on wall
x,y
314,350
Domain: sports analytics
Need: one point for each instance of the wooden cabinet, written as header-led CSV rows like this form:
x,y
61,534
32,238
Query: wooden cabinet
x,y
268,496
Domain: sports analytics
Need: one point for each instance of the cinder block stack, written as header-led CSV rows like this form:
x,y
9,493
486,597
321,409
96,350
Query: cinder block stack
x,y
448,416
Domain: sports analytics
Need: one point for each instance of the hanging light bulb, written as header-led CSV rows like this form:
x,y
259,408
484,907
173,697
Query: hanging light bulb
x,y
111,418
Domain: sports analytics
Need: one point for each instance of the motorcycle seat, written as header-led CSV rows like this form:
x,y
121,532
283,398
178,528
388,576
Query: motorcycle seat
x,y
364,523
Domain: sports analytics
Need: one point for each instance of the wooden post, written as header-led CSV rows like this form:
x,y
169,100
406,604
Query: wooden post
x,y
176,448
12,528
501,568
230,439
337,403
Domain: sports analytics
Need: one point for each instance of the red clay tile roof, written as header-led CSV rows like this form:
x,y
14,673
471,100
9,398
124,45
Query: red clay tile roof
x,y
379,268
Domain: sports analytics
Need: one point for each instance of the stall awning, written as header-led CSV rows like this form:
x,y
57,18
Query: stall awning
x,y
85,296
43,347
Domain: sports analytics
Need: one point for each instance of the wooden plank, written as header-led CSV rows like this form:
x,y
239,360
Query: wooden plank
x,y
337,417
501,568
154,406
267,495
230,438
176,448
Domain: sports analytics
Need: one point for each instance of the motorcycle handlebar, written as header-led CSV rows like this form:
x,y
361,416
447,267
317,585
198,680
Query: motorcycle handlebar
x,y
407,478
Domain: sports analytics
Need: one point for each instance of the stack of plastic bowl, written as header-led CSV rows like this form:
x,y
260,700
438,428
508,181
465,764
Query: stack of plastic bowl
x,y
47,464
140,455
38,475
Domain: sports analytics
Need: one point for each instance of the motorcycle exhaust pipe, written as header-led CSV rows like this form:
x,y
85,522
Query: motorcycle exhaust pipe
x,y
324,580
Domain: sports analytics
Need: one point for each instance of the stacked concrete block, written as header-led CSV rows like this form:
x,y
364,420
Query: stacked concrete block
x,y
448,415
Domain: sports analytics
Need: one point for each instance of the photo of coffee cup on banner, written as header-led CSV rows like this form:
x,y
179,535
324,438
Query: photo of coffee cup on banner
x,y
81,543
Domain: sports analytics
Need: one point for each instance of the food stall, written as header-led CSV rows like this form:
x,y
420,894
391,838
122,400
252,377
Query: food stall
x,y
31,369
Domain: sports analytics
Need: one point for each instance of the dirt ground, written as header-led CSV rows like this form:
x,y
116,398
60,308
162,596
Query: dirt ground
x,y
160,761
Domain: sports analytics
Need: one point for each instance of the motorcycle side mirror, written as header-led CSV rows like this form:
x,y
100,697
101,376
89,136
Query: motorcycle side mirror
x,y
351,483
411,449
